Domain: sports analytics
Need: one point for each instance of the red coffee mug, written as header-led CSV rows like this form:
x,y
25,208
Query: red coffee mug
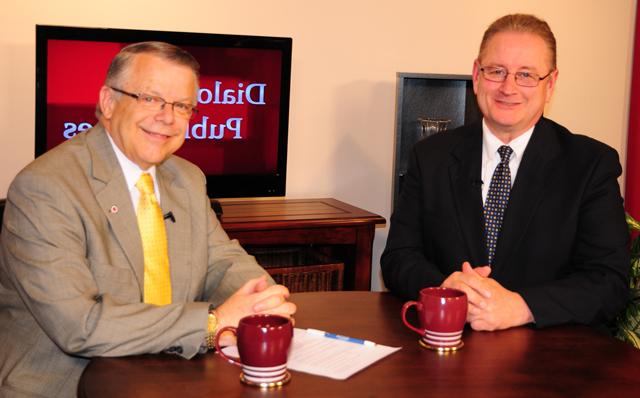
x,y
263,345
442,313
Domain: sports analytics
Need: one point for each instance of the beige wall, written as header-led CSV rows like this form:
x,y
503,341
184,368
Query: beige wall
x,y
346,55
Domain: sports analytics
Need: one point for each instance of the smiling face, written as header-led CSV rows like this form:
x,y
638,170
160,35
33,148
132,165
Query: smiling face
x,y
509,110
145,136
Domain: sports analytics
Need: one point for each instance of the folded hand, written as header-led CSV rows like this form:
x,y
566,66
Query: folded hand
x,y
255,297
491,306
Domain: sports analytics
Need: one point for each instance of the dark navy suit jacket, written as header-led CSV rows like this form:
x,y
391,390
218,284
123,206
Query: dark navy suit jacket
x,y
564,240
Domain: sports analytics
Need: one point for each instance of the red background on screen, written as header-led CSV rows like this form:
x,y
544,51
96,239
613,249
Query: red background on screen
x,y
76,71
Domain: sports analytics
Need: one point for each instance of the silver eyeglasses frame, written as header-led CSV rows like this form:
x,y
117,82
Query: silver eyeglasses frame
x,y
498,74
156,103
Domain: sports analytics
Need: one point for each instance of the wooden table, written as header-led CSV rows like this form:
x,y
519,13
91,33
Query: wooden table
x,y
567,361
281,222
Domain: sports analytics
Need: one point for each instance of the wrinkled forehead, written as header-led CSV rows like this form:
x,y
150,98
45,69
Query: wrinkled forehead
x,y
153,70
529,48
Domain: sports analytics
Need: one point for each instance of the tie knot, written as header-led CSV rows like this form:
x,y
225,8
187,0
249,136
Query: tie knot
x,y
505,152
145,184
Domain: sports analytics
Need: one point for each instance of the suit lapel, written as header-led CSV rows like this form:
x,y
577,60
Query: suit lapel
x,y
528,190
111,192
465,177
175,199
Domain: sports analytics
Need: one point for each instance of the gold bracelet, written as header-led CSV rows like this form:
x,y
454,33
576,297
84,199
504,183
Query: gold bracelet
x,y
212,328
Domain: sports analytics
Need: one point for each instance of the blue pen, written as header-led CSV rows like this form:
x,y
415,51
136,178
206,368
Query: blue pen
x,y
340,337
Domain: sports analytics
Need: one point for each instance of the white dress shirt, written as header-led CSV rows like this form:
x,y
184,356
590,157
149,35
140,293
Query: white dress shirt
x,y
132,173
491,157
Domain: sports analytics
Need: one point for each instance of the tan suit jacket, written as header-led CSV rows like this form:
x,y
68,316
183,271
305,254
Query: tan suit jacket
x,y
71,267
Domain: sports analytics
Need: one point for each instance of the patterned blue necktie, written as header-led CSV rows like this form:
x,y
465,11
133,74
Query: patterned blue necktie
x,y
497,200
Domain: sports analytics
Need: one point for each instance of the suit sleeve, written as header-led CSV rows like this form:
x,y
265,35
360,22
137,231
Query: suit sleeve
x,y
45,259
229,264
405,268
594,288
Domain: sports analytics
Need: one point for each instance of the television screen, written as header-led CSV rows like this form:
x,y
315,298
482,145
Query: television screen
x,y
239,135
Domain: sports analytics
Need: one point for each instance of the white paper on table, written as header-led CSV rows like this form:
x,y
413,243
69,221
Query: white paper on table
x,y
327,357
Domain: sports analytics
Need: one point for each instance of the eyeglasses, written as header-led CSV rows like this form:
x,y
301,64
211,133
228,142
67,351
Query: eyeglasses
x,y
523,78
155,103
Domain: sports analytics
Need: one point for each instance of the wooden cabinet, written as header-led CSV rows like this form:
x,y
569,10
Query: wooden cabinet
x,y
333,228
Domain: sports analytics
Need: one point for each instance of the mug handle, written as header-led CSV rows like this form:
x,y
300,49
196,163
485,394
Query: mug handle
x,y
231,329
405,307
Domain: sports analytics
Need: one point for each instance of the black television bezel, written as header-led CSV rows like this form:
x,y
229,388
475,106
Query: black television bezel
x,y
218,186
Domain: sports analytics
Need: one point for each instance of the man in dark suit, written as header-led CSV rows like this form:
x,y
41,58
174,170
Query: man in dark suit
x,y
516,211
81,277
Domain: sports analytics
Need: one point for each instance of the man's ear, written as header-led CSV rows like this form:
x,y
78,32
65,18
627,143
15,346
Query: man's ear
x,y
475,75
551,84
107,102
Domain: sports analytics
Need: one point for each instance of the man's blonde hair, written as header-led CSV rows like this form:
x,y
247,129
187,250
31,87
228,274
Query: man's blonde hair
x,y
521,23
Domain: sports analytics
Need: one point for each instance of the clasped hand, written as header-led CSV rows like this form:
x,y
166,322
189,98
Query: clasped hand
x,y
254,297
491,306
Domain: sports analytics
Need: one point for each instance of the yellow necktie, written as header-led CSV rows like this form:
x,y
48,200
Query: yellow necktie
x,y
157,279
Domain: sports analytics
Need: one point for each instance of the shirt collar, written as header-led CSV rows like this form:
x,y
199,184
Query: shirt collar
x,y
131,171
491,143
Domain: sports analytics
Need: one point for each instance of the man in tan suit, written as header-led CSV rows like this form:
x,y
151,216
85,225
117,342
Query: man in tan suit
x,y
72,268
